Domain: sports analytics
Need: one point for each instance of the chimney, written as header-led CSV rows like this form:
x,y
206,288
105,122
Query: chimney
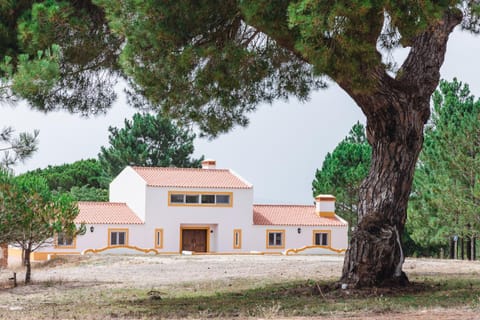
x,y
325,205
209,164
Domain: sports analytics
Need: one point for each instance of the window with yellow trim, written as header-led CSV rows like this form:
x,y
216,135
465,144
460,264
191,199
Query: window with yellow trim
x,y
200,198
158,238
321,238
237,239
65,241
275,239
118,237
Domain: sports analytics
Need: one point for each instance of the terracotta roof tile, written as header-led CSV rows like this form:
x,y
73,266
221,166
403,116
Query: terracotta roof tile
x,y
106,213
291,215
191,178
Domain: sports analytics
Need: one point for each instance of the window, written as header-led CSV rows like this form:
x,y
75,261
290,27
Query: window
x,y
159,238
64,240
237,239
221,199
275,239
177,198
191,198
208,198
118,237
321,237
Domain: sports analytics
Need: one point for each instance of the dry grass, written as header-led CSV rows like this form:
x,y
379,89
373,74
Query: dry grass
x,y
60,292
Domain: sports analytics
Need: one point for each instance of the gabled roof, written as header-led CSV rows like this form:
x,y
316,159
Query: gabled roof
x,y
191,178
106,213
292,215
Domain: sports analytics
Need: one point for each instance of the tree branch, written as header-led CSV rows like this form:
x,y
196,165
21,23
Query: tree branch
x,y
421,69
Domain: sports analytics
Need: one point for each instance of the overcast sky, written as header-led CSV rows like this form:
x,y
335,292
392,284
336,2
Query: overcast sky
x,y
278,152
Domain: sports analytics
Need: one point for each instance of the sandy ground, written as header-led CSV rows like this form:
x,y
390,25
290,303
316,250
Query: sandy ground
x,y
138,270
154,271
164,271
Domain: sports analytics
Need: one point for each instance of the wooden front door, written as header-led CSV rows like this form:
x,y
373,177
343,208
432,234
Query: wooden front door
x,y
194,240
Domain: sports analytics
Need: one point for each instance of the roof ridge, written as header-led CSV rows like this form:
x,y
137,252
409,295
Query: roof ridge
x,y
178,168
191,178
102,202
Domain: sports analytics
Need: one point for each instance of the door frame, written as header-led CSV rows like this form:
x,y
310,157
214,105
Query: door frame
x,y
207,230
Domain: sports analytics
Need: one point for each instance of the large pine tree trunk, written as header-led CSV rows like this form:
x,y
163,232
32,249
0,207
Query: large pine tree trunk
x,y
375,255
396,110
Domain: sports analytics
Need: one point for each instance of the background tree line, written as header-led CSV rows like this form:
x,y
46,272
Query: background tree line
x,y
444,207
146,140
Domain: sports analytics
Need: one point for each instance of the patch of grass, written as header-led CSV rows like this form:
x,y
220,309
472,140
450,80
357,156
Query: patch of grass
x,y
297,298
303,299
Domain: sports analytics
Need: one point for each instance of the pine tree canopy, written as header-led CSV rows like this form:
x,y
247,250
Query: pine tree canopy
x,y
211,62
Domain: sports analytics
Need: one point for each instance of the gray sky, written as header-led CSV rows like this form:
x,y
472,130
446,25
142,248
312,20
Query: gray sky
x,y
278,152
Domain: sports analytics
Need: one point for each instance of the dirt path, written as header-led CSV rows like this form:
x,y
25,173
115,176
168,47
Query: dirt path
x,y
164,270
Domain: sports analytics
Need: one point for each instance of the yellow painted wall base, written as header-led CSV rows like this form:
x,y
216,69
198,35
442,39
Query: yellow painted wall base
x,y
43,256
293,251
38,256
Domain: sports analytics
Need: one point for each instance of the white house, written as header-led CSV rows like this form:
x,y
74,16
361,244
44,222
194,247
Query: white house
x,y
207,210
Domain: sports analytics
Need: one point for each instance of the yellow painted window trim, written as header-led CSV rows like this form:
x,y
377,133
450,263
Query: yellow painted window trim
x,y
235,244
110,230
329,237
200,193
57,246
282,231
157,245
200,227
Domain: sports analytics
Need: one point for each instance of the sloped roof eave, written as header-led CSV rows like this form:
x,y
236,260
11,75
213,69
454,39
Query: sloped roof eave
x,y
293,215
114,213
163,177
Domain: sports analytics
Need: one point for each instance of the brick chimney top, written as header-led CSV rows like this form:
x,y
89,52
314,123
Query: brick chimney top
x,y
209,164
325,205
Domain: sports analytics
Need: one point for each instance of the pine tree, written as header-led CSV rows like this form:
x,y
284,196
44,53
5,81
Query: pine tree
x,y
446,195
148,140
343,171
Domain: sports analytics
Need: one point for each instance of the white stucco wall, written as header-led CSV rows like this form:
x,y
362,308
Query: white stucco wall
x,y
99,237
257,237
130,188
221,220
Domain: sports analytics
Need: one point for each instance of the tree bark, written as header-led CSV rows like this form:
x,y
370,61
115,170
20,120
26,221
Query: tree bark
x,y
469,247
396,111
375,255
452,248
28,266
474,248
